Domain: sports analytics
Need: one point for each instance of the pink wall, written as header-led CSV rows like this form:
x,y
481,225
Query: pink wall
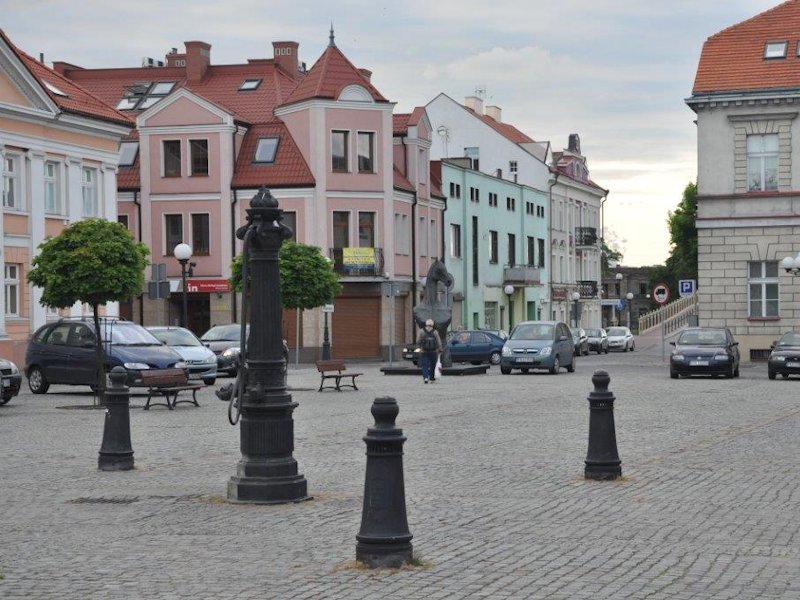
x,y
210,265
210,183
295,205
354,121
298,125
183,112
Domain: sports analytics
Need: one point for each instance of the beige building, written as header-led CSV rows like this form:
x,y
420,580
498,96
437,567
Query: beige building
x,y
747,97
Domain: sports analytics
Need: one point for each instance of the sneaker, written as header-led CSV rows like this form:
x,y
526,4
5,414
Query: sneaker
x,y
426,380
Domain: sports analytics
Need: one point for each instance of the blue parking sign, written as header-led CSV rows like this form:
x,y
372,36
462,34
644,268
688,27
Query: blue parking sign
x,y
687,287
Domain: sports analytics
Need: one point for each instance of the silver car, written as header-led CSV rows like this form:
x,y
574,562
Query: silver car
x,y
200,361
538,345
620,338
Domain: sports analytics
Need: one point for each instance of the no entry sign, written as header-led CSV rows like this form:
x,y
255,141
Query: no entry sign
x,y
660,293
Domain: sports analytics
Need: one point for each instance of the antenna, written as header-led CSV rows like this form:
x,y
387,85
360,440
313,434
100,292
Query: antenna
x,y
444,132
480,91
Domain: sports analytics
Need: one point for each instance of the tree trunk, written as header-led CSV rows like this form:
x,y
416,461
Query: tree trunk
x,y
100,391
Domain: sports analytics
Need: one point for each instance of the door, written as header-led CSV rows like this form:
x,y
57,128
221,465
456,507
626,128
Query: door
x,y
55,355
356,327
82,359
481,346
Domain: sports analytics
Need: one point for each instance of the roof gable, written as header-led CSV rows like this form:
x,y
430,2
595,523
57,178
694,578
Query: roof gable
x,y
183,107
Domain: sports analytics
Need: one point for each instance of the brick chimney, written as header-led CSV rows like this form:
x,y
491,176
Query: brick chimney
x,y
474,103
198,57
366,74
285,56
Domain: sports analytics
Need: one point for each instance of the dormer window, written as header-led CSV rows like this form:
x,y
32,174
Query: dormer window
x,y
249,84
775,49
140,96
266,149
55,90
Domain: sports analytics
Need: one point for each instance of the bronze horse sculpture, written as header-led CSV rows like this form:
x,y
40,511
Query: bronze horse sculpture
x,y
432,308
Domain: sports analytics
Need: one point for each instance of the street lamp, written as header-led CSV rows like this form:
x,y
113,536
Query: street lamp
x,y
618,291
508,290
326,342
629,296
183,252
575,297
791,265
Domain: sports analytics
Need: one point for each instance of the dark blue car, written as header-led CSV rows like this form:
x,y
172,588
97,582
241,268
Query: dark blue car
x,y
475,347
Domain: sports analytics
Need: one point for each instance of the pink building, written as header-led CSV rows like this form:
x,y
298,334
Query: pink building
x,y
352,177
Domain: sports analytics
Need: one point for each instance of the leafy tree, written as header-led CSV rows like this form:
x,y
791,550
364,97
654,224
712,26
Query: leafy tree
x,y
682,261
93,262
610,256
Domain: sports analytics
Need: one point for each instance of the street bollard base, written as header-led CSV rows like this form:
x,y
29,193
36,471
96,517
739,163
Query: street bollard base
x,y
602,472
384,556
273,490
115,462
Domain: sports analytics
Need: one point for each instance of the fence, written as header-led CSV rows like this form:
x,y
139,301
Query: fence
x,y
674,315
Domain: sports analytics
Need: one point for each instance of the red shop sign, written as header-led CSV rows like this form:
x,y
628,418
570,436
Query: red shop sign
x,y
207,285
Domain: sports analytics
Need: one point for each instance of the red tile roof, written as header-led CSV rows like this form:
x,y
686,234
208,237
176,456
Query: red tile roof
x,y
402,121
733,59
401,183
329,76
288,170
504,129
76,100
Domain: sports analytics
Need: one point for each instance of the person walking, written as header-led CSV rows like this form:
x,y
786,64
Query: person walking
x,y
430,345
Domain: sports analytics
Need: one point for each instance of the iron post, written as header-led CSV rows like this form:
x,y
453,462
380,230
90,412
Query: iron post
x,y
326,342
267,472
116,453
602,459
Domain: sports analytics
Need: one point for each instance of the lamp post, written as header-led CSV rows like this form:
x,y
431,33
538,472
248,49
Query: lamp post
x,y
791,265
326,342
618,279
575,297
508,290
183,252
629,296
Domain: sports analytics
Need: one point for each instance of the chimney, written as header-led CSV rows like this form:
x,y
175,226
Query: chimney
x,y
574,145
198,57
495,113
366,74
285,56
175,59
62,67
474,103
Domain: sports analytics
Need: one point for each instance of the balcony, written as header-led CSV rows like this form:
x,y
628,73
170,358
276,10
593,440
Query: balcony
x,y
587,289
357,262
519,275
585,237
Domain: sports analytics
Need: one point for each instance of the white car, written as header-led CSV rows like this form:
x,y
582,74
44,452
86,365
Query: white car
x,y
620,338
201,362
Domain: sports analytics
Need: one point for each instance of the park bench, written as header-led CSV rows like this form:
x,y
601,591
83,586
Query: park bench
x,y
336,370
168,383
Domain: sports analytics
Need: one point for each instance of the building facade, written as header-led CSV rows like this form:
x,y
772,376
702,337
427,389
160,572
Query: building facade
x,y
745,97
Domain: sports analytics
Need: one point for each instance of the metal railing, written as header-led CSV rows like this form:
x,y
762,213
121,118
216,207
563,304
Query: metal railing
x,y
587,289
585,236
673,315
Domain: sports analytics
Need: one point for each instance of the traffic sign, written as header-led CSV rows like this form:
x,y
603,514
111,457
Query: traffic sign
x,y
660,293
327,308
687,287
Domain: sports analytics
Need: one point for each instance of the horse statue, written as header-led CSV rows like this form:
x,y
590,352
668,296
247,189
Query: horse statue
x,y
432,308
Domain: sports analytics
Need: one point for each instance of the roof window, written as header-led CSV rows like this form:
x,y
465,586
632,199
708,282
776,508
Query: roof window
x,y
249,84
127,153
266,149
54,89
162,88
141,95
775,49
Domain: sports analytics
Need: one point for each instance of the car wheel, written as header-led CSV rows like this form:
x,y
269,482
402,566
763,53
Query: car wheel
x,y
673,374
736,372
556,366
633,346
37,382
210,380
525,371
599,350
5,400
494,358
785,375
571,367
771,374
606,349
505,370
415,363
729,373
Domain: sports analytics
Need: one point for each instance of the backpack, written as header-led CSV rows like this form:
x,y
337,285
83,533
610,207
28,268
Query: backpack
x,y
429,343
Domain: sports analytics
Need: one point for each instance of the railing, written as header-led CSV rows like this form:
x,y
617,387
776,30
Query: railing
x,y
673,315
587,289
585,236
357,262
520,275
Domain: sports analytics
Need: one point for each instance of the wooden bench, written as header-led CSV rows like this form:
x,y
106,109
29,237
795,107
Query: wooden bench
x,y
168,383
336,370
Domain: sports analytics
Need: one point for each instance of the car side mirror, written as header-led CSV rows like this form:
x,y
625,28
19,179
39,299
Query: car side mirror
x,y
672,343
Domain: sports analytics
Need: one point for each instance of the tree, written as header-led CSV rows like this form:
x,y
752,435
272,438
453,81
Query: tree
x,y
93,262
610,256
682,261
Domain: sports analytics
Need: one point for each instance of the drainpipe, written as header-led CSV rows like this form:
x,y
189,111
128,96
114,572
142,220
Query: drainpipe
x,y
233,249
139,235
549,244
414,258
603,265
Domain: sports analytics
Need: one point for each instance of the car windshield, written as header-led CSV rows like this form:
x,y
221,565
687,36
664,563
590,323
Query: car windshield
x,y
618,331
536,331
176,337
705,337
789,339
127,334
592,333
222,333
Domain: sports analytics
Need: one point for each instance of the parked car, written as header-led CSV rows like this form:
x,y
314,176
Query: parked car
x,y
11,380
785,356
225,341
476,347
580,340
538,345
620,338
200,361
705,350
63,351
598,340
498,332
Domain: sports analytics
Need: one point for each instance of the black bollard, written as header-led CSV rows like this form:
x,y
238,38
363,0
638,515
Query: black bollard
x,y
384,539
116,453
602,459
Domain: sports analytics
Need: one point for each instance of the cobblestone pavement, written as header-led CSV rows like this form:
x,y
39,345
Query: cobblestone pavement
x,y
709,506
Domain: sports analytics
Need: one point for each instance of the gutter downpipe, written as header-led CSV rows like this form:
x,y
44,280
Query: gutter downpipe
x,y
550,244
233,249
414,257
139,236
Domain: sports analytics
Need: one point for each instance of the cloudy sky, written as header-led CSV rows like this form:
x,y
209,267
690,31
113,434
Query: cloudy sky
x,y
617,73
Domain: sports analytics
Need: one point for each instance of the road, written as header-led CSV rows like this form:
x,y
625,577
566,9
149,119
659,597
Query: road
x,y
708,506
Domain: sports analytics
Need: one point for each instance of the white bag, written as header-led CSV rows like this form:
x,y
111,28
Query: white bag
x,y
438,369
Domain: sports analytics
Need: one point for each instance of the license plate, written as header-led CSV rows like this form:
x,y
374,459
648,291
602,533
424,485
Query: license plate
x,y
525,359
698,363
6,383
791,365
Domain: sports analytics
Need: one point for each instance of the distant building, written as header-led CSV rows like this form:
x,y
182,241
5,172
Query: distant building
x,y
59,148
746,95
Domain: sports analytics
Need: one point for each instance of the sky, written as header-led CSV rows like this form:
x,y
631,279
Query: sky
x,y
616,73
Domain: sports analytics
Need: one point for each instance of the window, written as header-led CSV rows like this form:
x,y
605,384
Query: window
x,y
201,235
339,151
266,149
512,167
492,199
127,153
290,220
475,243
172,158
144,95
762,162
89,192
173,232
472,154
366,152
11,185
762,288
455,240
52,187
423,239
455,190
198,150
512,249
432,239
775,49
249,84
123,220
493,247
12,289
540,252
162,88
55,90
642,289
511,203
424,166
341,229
366,229
531,251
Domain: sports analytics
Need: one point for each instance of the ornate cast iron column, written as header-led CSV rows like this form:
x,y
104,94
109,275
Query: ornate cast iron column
x,y
267,472
602,459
